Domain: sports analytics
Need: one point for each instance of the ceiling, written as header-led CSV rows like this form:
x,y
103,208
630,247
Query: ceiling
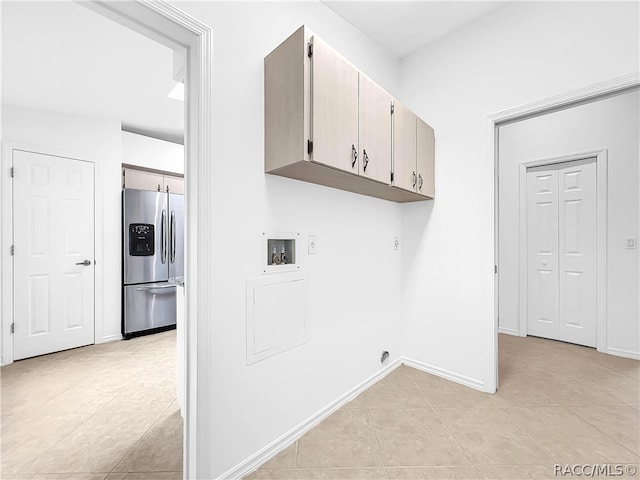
x,y
61,56
402,27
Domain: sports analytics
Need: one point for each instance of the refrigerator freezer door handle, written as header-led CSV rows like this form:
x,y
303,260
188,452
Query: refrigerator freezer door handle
x,y
164,236
152,287
173,236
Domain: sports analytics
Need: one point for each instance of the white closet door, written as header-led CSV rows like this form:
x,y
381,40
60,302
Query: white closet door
x,y
561,252
53,211
577,203
542,252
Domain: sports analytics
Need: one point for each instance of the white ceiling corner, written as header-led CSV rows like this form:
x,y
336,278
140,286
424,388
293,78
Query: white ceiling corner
x,y
402,27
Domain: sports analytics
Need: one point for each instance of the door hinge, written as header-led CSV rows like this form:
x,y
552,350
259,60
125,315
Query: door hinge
x,y
392,109
392,177
13,250
309,49
13,328
12,172
495,269
309,146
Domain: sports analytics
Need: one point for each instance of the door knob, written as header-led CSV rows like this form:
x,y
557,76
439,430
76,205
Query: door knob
x,y
86,263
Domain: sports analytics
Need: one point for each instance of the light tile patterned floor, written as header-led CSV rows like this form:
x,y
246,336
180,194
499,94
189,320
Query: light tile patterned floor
x,y
557,404
108,411
103,411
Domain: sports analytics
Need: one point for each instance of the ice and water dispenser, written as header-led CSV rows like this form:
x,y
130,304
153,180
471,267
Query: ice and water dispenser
x,y
141,240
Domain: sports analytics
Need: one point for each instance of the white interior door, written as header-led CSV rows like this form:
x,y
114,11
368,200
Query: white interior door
x,y
53,227
561,256
542,255
577,251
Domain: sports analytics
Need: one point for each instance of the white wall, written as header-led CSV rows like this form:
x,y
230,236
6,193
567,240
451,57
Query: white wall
x,y
515,55
610,124
99,141
149,152
354,282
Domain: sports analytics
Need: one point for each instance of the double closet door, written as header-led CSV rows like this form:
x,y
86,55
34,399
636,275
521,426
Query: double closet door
x,y
561,252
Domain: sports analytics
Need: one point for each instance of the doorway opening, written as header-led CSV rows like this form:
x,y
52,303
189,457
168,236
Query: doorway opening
x,y
183,33
553,209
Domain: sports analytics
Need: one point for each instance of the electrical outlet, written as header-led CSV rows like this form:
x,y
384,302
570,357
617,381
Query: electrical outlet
x,y
396,243
632,243
313,244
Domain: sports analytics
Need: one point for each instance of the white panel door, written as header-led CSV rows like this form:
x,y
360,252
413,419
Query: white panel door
x,y
561,252
542,254
577,252
53,212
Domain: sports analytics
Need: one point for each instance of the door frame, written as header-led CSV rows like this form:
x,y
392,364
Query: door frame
x,y
6,226
601,159
494,120
170,26
164,23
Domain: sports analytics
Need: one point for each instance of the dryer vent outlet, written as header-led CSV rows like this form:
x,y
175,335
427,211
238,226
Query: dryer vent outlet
x,y
384,357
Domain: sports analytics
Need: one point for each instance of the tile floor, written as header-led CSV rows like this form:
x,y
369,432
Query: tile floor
x,y
103,411
109,412
557,404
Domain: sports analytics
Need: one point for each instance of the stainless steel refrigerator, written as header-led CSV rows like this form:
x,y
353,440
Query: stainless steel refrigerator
x,y
153,258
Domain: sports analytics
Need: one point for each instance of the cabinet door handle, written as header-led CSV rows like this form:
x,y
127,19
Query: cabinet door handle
x,y
366,159
354,156
420,182
415,179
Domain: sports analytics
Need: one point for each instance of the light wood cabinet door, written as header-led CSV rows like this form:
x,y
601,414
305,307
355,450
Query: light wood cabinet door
x,y
174,184
334,107
141,180
405,175
425,159
374,131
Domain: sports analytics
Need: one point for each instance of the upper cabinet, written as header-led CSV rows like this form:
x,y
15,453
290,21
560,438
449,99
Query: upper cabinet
x,y
405,148
174,184
150,180
374,107
334,108
413,152
425,161
328,123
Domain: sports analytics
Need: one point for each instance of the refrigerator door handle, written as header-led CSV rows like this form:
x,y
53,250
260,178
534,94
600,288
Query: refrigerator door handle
x,y
173,236
164,236
152,287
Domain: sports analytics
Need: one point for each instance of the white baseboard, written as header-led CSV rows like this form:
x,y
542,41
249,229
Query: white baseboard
x,y
267,453
618,352
440,372
110,338
509,331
